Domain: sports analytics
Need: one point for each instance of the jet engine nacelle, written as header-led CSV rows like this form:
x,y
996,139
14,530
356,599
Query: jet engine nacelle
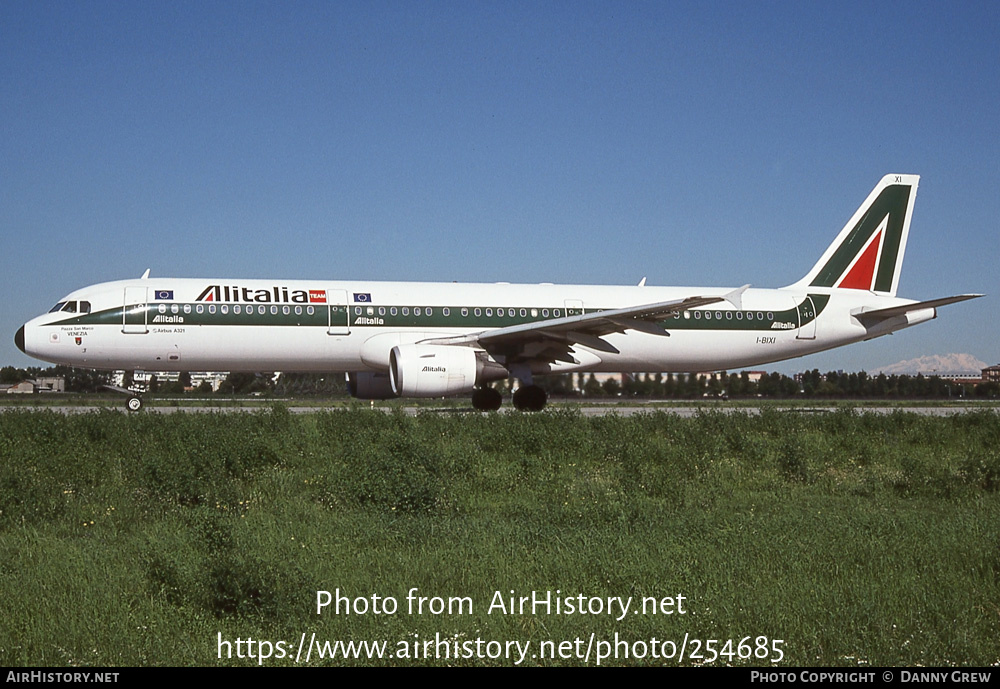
x,y
433,370
370,386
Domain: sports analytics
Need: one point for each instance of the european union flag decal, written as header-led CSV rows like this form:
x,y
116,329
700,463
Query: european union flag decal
x,y
364,297
164,294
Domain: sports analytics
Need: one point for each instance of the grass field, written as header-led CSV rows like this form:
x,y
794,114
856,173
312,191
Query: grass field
x,y
852,539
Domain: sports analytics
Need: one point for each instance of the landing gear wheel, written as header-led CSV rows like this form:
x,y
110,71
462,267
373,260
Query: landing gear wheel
x,y
486,399
530,398
134,403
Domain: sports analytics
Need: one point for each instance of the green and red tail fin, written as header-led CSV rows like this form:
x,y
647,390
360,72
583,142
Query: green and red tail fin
x,y
868,252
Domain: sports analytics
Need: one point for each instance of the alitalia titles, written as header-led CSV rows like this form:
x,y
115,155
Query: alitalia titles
x,y
280,295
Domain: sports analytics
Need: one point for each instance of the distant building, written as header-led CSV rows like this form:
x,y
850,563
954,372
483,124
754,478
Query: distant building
x,y
25,387
52,384
141,378
213,378
991,374
962,378
30,387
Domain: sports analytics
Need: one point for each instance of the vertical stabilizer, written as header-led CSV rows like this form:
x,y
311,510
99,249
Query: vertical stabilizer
x,y
868,252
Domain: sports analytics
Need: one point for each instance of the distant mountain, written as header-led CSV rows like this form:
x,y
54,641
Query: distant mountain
x,y
938,364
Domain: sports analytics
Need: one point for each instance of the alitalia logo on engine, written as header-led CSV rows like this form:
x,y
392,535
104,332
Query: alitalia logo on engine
x,y
263,296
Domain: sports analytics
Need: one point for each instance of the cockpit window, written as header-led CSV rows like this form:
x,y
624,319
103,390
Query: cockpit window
x,y
70,307
84,307
57,307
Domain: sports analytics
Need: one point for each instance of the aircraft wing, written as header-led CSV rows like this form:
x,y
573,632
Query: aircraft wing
x,y
881,314
551,340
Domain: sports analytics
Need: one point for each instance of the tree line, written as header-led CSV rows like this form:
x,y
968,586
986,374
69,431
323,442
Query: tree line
x,y
811,384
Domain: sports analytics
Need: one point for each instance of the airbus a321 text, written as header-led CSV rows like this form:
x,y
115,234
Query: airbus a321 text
x,y
440,339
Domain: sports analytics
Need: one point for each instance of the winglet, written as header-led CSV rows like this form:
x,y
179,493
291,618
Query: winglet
x,y
642,283
145,275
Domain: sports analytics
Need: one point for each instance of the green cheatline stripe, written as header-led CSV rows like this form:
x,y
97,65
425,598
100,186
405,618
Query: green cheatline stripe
x,y
697,319
893,201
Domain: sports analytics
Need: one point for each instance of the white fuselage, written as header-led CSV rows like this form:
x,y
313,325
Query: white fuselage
x,y
294,325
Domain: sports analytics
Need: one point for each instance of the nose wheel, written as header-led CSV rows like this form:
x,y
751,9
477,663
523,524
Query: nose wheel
x,y
134,403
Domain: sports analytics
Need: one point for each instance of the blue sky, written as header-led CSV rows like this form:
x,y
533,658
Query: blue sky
x,y
705,144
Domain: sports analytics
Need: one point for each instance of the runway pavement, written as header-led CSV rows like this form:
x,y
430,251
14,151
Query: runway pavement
x,y
585,409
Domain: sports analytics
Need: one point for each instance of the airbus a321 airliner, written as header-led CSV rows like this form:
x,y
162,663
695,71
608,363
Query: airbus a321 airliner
x,y
440,339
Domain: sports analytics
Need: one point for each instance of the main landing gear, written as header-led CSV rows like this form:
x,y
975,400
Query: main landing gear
x,y
486,399
530,398
526,398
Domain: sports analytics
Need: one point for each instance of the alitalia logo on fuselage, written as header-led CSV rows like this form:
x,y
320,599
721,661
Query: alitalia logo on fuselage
x,y
280,295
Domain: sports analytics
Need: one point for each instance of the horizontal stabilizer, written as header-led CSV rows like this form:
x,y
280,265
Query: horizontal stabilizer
x,y
882,314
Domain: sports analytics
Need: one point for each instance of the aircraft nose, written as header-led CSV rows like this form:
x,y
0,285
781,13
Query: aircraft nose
x,y
19,338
